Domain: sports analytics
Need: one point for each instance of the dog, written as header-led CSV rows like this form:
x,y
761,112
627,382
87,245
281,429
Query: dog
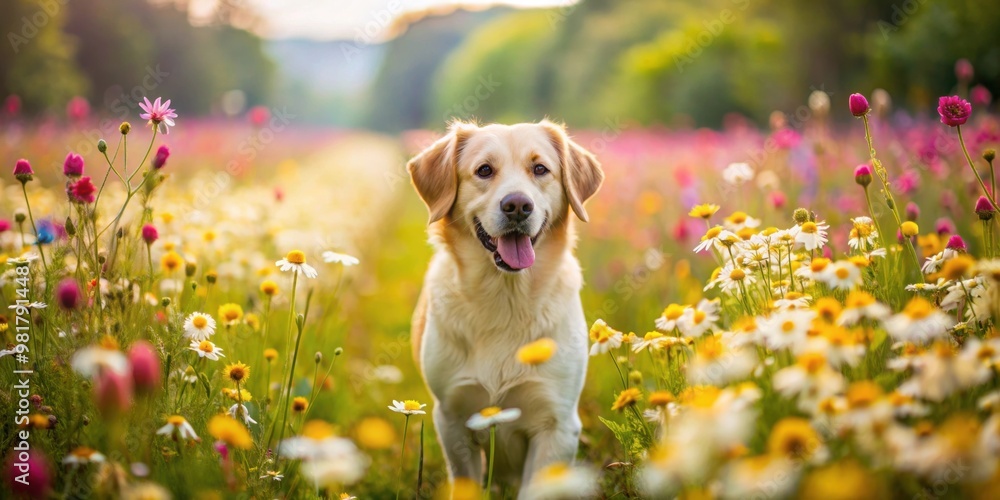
x,y
503,275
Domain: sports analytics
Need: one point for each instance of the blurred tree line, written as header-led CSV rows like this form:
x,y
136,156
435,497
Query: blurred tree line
x,y
113,52
692,62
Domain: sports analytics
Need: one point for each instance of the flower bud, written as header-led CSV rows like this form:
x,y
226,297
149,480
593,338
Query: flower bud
x,y
635,377
68,294
165,302
20,216
963,70
338,351
125,128
162,153
984,209
149,234
989,155
318,357
145,367
800,215
859,105
69,227
112,393
909,229
956,243
190,268
28,473
73,165
944,226
23,171
912,211
102,146
863,175
211,277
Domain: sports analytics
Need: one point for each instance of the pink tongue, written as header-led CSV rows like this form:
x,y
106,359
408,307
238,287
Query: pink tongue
x,y
516,250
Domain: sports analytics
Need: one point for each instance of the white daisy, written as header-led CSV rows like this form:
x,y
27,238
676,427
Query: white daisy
x,y
340,258
408,407
861,305
206,349
605,338
295,261
238,410
699,319
199,326
178,428
737,174
786,329
919,322
82,456
811,235
89,361
491,416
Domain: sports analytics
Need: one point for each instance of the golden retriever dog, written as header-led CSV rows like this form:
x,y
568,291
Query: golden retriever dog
x,y
503,275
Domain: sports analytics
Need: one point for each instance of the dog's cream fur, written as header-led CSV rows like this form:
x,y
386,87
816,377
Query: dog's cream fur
x,y
472,317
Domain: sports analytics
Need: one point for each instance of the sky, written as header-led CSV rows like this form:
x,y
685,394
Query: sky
x,y
367,21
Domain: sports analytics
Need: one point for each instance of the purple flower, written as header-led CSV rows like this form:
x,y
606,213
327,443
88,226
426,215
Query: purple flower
x,y
859,105
23,171
68,294
161,157
73,165
149,234
954,110
158,114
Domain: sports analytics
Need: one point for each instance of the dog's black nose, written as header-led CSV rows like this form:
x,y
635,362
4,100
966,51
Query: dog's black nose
x,y
516,206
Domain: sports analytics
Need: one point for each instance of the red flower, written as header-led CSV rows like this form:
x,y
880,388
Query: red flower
x,y
149,234
82,191
954,110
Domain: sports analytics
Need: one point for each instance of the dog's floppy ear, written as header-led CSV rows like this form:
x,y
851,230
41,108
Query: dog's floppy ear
x,y
581,172
434,172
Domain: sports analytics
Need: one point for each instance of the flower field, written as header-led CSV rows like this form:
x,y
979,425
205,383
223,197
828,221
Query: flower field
x,y
223,310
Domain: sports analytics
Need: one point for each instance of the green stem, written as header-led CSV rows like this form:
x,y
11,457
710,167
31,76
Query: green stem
x,y
295,357
489,474
38,243
989,195
619,368
402,454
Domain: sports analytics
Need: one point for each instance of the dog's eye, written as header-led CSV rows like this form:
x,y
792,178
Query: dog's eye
x,y
484,171
541,170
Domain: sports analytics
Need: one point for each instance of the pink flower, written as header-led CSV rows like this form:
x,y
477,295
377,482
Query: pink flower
x,y
980,96
259,115
954,110
963,70
33,468
162,153
777,199
12,105
4,225
149,234
82,191
23,171
863,175
68,294
984,208
158,114
944,226
77,109
112,392
73,165
145,367
785,138
859,105
956,243
912,211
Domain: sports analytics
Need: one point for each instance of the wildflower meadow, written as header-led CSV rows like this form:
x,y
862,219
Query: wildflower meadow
x,y
794,302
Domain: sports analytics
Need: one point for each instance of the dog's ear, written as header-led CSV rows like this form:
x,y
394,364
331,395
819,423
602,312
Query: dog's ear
x,y
581,172
434,171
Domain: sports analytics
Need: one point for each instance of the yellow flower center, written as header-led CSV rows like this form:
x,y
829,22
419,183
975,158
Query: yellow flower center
x,y
737,274
738,217
712,233
918,308
673,311
809,228
199,322
411,405
699,316
489,412
812,362
206,346
788,326
863,394
296,257
818,264
317,430
843,273
176,420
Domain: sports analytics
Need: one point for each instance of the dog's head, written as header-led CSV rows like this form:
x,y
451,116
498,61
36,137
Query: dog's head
x,y
506,183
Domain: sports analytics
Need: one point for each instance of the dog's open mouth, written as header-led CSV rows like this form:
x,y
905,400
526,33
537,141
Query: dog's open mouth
x,y
512,251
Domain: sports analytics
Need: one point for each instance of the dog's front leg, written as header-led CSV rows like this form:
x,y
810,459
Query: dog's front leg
x,y
557,444
465,459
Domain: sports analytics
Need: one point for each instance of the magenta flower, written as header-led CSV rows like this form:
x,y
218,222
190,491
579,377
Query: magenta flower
x,y
859,105
963,70
77,109
73,165
35,473
12,105
944,226
68,294
158,114
4,225
980,95
82,191
912,211
259,115
863,175
149,234
984,208
145,367
954,110
23,171
956,243
161,157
